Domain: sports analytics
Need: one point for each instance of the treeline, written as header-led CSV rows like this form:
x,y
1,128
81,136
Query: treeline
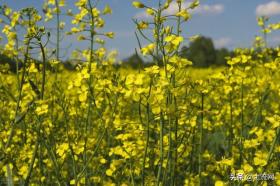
x,y
201,52
11,64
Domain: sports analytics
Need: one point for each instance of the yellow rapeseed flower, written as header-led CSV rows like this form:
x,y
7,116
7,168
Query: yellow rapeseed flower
x,y
107,10
110,34
184,14
219,183
138,4
148,49
173,39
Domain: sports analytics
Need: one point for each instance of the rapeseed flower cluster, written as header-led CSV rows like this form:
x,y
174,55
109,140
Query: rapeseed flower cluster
x,y
99,125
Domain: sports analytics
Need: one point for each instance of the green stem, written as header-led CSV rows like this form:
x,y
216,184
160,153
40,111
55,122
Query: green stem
x,y
27,180
161,149
90,96
57,29
19,97
175,145
200,161
37,145
147,134
44,71
241,127
270,154
230,127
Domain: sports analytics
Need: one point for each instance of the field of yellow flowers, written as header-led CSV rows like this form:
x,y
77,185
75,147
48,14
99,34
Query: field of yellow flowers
x,y
165,126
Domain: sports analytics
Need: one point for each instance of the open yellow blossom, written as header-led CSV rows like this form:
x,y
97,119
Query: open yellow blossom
x,y
219,183
148,49
184,14
173,39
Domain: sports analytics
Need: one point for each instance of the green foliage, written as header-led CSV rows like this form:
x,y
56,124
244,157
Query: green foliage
x,y
134,61
11,63
203,53
221,55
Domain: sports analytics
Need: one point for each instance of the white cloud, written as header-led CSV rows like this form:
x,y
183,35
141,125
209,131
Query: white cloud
x,y
173,8
268,9
209,9
222,42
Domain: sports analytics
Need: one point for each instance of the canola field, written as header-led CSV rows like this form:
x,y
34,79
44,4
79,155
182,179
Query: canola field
x,y
102,125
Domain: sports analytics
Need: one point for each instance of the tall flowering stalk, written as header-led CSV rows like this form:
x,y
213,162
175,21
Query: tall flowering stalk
x,y
164,47
89,22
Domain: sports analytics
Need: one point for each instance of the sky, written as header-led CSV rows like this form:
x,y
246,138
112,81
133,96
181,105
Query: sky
x,y
230,23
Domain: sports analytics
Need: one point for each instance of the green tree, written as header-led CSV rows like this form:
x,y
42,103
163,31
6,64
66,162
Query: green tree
x,y
221,55
201,52
11,62
134,61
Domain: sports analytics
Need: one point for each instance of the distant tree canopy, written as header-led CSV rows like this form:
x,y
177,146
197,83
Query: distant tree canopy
x,y
7,60
12,64
202,53
221,54
134,61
